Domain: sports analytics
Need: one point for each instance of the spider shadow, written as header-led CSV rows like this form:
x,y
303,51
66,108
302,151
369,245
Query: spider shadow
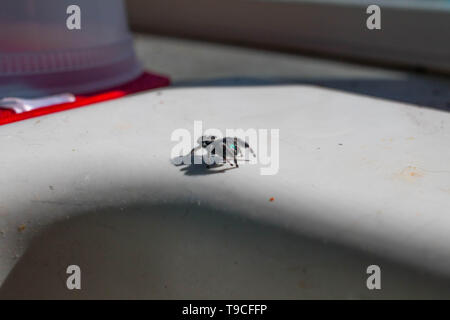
x,y
193,165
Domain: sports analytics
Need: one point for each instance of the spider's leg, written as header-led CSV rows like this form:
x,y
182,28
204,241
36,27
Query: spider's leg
x,y
210,152
243,144
231,153
195,149
251,150
235,152
192,154
232,165
224,152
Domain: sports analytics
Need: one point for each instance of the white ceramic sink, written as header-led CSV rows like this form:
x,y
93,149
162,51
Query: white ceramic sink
x,y
361,181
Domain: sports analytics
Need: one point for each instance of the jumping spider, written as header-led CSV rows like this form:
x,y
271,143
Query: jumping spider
x,y
225,148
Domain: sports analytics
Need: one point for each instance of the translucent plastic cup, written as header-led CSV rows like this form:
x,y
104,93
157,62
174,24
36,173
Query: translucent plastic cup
x,y
40,55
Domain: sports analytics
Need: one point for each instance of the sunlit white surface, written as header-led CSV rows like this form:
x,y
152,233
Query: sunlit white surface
x,y
361,181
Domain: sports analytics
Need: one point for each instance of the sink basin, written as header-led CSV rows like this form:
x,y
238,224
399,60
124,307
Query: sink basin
x,y
360,182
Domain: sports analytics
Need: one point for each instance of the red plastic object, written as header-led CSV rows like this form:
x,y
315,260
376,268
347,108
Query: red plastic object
x,y
146,81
